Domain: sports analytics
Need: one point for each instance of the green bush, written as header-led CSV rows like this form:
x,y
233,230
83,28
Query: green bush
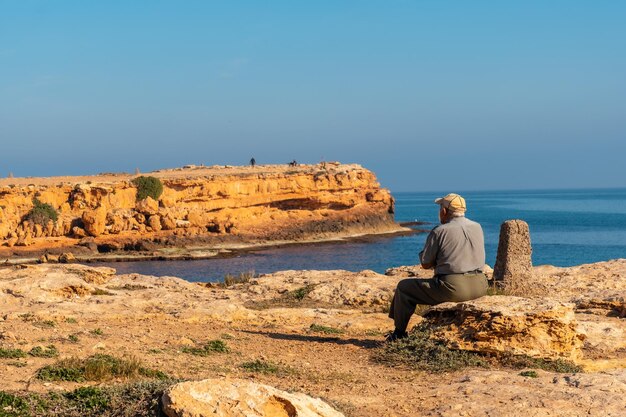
x,y
90,398
47,352
300,293
137,399
9,353
96,368
41,213
148,187
12,406
421,352
218,346
522,361
260,366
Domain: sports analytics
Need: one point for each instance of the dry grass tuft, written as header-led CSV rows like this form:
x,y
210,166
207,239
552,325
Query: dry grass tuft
x,y
242,278
96,368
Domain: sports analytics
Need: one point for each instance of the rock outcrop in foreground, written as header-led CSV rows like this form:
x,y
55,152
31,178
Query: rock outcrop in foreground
x,y
239,398
213,207
533,327
317,332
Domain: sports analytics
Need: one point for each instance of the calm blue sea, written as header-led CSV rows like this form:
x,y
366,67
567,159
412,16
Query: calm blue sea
x,y
568,227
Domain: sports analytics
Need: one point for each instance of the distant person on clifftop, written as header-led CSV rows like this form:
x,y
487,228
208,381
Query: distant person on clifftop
x,y
456,250
252,162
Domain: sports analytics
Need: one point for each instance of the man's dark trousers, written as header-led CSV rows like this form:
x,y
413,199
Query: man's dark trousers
x,y
413,291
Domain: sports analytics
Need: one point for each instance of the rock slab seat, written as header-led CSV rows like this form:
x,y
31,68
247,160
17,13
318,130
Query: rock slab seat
x,y
538,328
240,398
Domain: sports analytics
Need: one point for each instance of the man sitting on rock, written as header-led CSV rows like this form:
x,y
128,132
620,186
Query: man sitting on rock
x,y
456,249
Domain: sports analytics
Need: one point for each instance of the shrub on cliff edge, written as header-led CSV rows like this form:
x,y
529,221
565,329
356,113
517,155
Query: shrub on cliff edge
x,y
41,213
148,187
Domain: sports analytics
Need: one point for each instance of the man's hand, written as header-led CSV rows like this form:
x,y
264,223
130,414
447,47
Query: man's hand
x,y
425,265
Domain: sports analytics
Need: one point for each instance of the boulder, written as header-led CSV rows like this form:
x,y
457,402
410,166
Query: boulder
x,y
48,258
52,258
540,328
140,218
78,232
240,398
90,243
148,206
168,222
118,222
168,200
154,222
67,258
94,221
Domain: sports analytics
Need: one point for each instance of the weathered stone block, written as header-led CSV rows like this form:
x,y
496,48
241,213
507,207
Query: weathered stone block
x,y
95,221
148,206
539,328
513,261
154,222
236,397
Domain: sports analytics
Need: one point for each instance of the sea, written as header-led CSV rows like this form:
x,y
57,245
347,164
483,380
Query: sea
x,y
568,227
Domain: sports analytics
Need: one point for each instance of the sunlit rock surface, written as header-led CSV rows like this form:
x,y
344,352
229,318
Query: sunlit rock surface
x,y
534,327
239,398
209,205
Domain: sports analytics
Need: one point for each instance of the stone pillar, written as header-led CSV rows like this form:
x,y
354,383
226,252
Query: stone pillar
x,y
513,262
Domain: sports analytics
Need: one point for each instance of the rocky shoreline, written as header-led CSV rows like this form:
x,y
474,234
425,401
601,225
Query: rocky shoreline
x,y
320,333
198,212
191,251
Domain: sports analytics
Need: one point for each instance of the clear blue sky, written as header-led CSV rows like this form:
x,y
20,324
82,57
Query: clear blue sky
x,y
431,95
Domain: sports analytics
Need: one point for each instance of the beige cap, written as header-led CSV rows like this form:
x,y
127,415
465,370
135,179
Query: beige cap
x,y
452,202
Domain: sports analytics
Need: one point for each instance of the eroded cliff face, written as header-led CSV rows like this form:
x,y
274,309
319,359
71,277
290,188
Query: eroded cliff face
x,y
263,202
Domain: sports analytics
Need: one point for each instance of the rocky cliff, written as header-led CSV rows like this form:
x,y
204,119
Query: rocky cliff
x,y
207,205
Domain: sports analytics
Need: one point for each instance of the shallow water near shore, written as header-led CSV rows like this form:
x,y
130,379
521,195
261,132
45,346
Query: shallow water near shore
x,y
568,227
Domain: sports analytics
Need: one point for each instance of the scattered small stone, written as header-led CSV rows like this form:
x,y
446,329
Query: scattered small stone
x,y
67,258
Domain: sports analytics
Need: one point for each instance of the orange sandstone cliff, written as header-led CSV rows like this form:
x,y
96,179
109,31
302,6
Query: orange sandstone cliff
x,y
202,206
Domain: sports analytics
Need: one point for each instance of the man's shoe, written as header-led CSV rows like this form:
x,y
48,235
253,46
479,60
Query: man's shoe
x,y
395,335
